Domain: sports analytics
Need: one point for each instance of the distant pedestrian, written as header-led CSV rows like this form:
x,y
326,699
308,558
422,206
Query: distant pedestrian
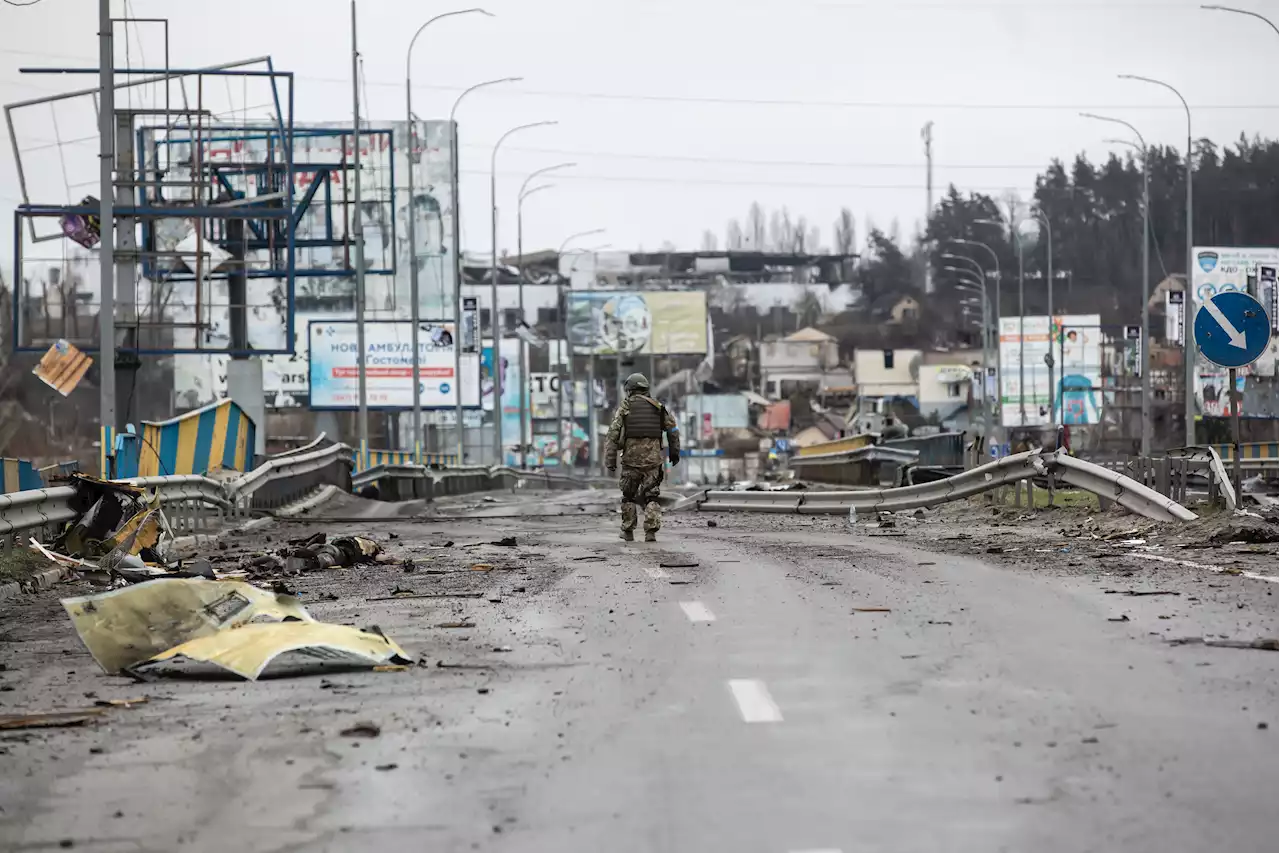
x,y
636,433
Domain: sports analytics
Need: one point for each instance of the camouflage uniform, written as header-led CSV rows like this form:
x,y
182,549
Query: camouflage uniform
x,y
642,461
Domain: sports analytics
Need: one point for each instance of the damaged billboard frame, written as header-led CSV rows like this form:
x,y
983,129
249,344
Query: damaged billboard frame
x,y
149,320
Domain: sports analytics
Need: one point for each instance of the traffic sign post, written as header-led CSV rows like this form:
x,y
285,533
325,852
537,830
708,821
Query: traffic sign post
x,y
1232,330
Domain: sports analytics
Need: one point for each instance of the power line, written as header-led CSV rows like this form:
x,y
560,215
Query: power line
x,y
566,177
744,162
757,102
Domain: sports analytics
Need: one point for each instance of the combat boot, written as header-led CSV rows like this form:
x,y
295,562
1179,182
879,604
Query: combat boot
x,y
650,536
627,536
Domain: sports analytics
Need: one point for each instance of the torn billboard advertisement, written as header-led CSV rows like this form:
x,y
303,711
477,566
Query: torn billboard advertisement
x,y
334,366
638,323
1077,372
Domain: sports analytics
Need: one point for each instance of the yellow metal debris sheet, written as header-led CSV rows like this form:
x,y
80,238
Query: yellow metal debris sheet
x,y
248,650
129,625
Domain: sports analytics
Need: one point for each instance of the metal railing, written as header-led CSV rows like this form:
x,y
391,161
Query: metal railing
x,y
1110,485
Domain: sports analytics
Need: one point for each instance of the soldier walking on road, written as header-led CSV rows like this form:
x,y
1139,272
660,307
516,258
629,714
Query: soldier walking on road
x,y
636,432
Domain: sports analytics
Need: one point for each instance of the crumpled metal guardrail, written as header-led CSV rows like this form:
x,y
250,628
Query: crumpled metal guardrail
x,y
1002,472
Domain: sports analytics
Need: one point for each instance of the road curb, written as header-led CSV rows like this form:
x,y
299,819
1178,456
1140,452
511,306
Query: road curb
x,y
40,580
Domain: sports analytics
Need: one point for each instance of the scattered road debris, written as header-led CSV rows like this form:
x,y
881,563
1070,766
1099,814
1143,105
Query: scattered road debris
x,y
1121,618
62,367
364,728
1266,644
872,610
52,719
456,625
590,558
481,567
505,542
246,651
678,564
127,626
427,595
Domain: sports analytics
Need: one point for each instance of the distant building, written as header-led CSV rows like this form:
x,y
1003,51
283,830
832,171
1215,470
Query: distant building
x,y
804,360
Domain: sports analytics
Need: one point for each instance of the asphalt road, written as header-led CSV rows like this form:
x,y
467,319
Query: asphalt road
x,y
782,685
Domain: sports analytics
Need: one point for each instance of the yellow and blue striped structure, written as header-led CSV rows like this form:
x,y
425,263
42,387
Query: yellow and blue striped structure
x,y
106,445
221,435
371,458
20,475
1258,451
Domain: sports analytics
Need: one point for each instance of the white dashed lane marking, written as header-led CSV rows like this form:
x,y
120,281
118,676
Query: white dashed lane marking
x,y
697,611
754,702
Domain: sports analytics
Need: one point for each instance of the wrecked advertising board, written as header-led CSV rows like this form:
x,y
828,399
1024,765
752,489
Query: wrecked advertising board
x,y
334,366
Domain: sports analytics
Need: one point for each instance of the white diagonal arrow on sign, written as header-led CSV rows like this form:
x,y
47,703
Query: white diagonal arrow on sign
x,y
1237,339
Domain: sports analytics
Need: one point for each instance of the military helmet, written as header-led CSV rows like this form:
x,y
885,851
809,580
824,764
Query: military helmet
x,y
636,383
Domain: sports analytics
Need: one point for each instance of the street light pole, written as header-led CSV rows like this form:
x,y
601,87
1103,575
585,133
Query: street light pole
x,y
525,431
495,321
362,412
995,313
1048,230
1188,294
1268,21
1022,318
457,259
414,306
986,331
525,415
1145,342
591,356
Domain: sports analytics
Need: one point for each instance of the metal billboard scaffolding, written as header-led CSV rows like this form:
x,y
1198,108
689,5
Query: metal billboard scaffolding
x,y
212,217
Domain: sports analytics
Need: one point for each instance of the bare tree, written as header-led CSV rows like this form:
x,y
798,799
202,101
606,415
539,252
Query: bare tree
x,y
755,227
733,237
777,233
708,241
845,235
813,241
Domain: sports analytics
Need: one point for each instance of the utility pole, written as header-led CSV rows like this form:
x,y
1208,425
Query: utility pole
x,y
927,135
106,246
362,418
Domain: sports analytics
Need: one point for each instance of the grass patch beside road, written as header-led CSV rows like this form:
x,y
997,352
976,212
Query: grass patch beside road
x,y
20,564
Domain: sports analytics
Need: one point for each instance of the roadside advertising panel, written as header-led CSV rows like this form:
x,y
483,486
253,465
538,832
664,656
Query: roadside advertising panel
x,y
334,366
1077,372
638,322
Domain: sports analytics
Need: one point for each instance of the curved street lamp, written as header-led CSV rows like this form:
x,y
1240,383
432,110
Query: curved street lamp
x,y
456,246
1268,21
995,322
591,356
1145,358
414,309
495,321
980,279
1188,335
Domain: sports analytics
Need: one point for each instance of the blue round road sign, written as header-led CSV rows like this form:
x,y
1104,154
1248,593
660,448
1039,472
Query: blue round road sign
x,y
1232,329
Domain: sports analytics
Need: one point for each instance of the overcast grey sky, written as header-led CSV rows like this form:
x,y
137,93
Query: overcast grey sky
x,y
645,92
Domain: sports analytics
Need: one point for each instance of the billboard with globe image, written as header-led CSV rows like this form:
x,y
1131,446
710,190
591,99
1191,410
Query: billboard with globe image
x,y
638,323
